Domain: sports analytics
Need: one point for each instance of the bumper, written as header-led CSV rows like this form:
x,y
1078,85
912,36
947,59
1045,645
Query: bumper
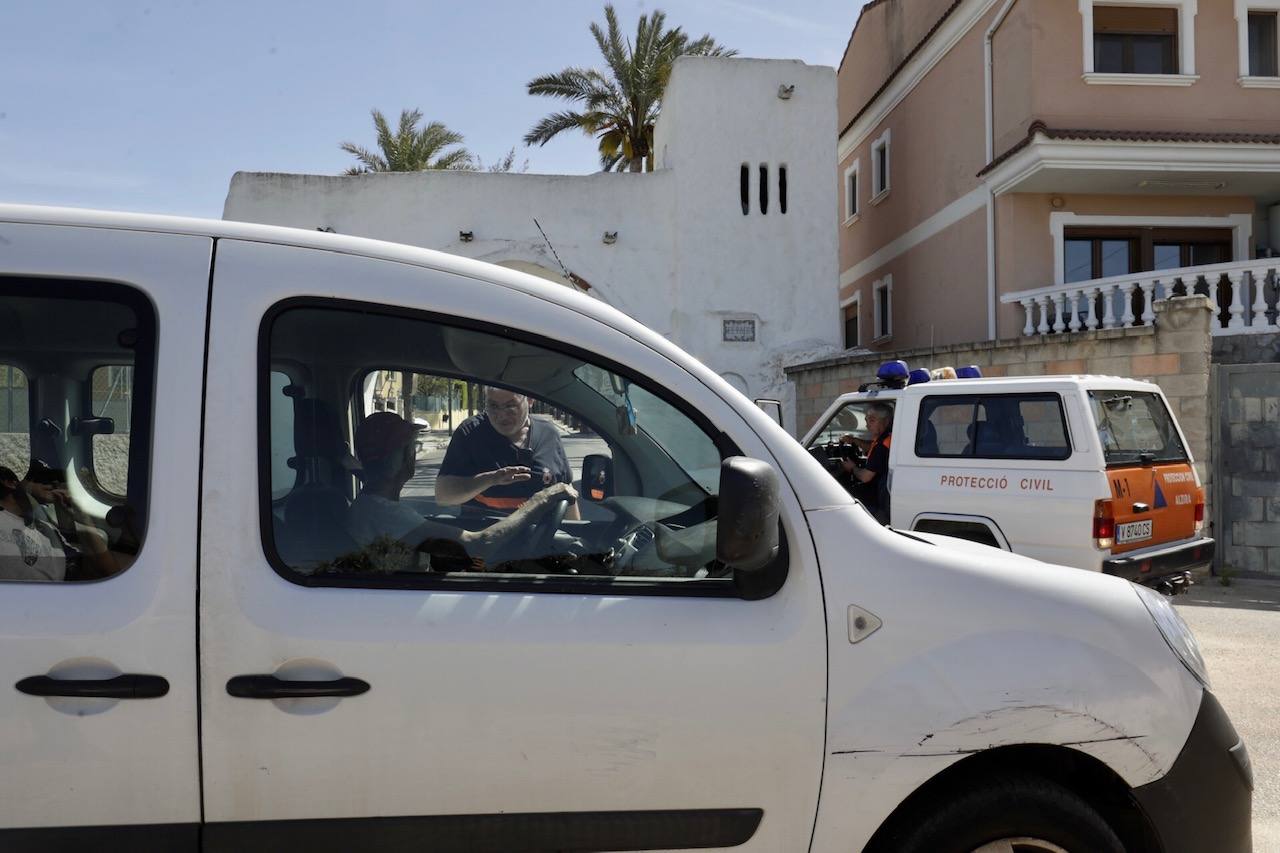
x,y
1149,565
1205,800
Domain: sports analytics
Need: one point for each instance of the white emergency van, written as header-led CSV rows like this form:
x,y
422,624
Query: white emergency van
x,y
246,603
1085,471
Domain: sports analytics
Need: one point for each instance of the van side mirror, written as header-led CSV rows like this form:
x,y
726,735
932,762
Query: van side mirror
x,y
597,477
747,528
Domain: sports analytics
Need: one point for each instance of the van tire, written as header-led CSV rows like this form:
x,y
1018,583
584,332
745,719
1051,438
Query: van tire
x,y
1011,807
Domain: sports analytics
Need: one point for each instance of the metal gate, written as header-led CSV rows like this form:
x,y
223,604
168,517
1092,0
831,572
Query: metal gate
x,y
1246,467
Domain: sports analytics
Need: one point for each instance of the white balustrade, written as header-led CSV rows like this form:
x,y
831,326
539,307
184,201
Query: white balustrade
x,y
1237,301
1148,310
1090,295
1248,304
1108,306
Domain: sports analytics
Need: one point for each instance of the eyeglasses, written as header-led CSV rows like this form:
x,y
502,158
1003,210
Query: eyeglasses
x,y
512,408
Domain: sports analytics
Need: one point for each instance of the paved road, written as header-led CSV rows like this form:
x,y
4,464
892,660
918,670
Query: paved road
x,y
1238,627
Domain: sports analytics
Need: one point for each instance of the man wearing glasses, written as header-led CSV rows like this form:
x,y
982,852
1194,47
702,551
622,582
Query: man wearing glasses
x,y
498,460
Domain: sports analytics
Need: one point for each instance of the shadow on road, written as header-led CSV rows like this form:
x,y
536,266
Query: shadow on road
x,y
1240,595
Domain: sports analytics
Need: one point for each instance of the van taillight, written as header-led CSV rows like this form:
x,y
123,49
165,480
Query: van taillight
x,y
1104,523
1199,508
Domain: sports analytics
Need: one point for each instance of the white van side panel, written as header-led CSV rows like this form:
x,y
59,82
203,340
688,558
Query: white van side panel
x,y
939,682
1044,508
111,762
489,702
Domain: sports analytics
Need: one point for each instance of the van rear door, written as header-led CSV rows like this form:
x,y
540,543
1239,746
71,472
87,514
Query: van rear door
x,y
1154,490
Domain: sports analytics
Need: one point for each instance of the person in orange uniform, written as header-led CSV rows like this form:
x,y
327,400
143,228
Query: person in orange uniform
x,y
871,479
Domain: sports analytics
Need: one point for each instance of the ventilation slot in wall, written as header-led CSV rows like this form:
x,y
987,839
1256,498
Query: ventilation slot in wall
x,y
782,189
744,188
764,188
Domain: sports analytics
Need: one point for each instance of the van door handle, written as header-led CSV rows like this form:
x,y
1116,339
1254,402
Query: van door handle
x,y
120,687
270,687
1141,507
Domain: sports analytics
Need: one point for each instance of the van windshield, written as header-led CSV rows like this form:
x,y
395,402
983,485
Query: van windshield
x,y
1135,427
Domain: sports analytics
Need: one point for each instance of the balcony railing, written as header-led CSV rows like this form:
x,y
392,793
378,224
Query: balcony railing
x,y
1243,292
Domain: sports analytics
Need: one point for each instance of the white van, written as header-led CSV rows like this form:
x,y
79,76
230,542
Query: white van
x,y
1085,471
241,611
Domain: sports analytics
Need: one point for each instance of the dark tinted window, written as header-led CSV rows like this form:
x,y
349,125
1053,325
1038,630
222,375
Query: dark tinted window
x,y
996,426
1135,426
1262,44
75,459
423,453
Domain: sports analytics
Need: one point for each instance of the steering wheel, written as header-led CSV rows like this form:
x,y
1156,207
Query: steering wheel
x,y
538,537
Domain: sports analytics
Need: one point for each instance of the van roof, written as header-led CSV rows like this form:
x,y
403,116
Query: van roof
x,y
344,244
1008,384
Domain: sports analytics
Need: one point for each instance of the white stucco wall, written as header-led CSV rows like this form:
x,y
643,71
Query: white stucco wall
x,y
685,257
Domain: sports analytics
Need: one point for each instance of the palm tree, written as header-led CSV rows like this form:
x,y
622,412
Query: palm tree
x,y
620,106
409,149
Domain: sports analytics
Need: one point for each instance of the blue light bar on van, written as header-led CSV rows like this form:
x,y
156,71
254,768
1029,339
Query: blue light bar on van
x,y
918,376
969,371
892,371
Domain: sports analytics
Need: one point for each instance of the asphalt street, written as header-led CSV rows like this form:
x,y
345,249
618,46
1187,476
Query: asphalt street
x,y
1236,626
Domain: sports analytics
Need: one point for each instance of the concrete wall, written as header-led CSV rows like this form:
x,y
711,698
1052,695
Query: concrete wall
x,y
686,257
1174,354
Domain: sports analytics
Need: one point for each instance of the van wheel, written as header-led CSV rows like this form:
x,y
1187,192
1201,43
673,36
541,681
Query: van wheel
x,y
1022,814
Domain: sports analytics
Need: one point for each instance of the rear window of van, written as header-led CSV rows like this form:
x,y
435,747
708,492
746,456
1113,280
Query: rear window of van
x,y
993,426
1135,427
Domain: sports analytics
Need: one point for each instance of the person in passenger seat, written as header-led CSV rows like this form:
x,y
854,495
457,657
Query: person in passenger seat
x,y
871,479
32,549
386,447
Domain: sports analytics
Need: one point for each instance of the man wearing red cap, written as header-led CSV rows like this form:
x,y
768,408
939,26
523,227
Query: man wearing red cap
x,y
386,445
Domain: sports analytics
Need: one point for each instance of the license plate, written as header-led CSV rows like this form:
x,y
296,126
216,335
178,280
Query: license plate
x,y
1134,531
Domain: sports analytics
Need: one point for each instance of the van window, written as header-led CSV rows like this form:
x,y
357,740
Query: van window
x,y
1135,427
15,408
112,390
281,405
457,441
848,420
74,428
993,426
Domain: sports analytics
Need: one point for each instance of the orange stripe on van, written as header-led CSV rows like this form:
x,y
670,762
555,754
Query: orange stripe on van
x,y
501,503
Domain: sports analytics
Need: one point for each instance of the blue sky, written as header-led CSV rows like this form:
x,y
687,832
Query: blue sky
x,y
153,105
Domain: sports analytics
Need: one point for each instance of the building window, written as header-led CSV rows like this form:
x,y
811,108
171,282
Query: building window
x,y
739,331
1263,58
744,188
851,192
850,309
782,190
880,166
764,188
882,307
1129,40
1150,42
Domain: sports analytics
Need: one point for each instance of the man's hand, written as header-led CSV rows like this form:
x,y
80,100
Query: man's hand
x,y
510,474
